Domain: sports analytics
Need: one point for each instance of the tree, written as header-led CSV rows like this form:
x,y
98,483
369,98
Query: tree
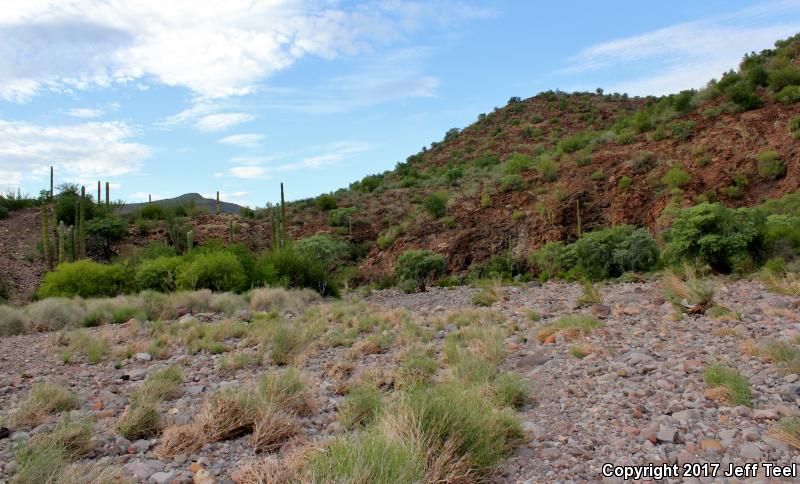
x,y
419,266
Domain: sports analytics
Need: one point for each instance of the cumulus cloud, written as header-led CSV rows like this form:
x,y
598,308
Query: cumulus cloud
x,y
245,140
215,49
80,152
688,55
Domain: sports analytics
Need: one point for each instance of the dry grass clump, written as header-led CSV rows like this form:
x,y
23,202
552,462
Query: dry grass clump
x,y
570,327
479,317
782,354
416,367
84,473
787,283
591,294
688,292
43,400
55,313
268,411
46,455
361,406
282,300
93,348
12,321
141,418
788,431
240,360
491,292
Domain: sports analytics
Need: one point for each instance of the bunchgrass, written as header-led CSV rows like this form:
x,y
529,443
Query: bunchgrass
x,y
572,327
140,420
510,390
361,406
43,400
45,455
782,354
734,384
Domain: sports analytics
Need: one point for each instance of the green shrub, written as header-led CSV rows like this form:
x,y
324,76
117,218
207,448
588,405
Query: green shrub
x,y
715,235
576,142
547,168
54,313
86,279
794,127
289,268
158,274
676,177
517,163
218,271
341,217
512,182
66,201
625,137
361,406
734,383
325,248
789,95
3,212
624,182
152,211
743,95
611,252
419,266
109,229
326,202
511,390
552,259
771,166
782,77
682,130
436,204
598,175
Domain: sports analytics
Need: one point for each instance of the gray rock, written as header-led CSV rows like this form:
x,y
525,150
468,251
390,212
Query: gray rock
x,y
194,389
141,445
667,434
143,469
143,356
637,358
137,374
532,360
750,452
19,436
161,477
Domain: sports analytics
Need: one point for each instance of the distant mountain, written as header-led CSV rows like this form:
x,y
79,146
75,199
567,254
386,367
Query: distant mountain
x,y
186,199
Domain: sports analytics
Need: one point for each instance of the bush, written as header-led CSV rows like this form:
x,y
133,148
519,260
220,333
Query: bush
x,y
614,251
108,229
552,259
328,250
218,271
419,266
743,95
676,177
771,166
360,407
576,142
3,212
436,204
341,217
547,168
512,182
624,182
789,95
54,313
86,279
682,130
158,274
11,321
67,200
794,127
326,202
517,163
290,268
715,235
782,77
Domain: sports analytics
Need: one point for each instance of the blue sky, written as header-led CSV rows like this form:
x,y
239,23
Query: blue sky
x,y
165,98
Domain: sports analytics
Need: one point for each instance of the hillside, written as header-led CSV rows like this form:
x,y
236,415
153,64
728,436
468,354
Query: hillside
x,y
195,199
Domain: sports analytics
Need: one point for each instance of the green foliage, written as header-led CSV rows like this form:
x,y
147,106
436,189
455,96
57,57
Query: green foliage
x,y
512,182
676,177
735,384
782,77
611,252
11,321
715,235
436,204
290,268
511,390
66,202
341,217
553,259
419,266
624,182
789,95
86,279
770,165
158,274
517,163
576,142
3,212
217,270
152,211
794,127
598,175
547,168
682,130
325,248
361,406
743,95
326,202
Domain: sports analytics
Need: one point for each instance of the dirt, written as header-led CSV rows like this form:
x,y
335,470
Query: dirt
x,y
21,266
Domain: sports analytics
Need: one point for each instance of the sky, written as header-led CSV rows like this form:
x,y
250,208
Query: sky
x,y
163,98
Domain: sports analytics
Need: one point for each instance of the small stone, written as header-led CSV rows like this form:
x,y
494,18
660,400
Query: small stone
x,y
195,467
202,476
161,477
20,436
751,434
601,310
765,414
136,374
637,357
712,445
335,428
667,434
140,446
750,452
532,360
143,469
143,356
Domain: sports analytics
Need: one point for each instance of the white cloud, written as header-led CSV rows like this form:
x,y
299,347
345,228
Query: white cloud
x,y
85,113
325,155
80,152
245,140
215,49
222,121
687,55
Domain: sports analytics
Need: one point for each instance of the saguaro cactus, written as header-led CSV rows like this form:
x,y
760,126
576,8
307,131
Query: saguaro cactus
x,y
46,249
82,224
108,195
283,218
62,242
98,193
51,182
190,240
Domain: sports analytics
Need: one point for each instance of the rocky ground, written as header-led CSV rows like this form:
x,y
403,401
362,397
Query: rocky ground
x,y
636,397
21,267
